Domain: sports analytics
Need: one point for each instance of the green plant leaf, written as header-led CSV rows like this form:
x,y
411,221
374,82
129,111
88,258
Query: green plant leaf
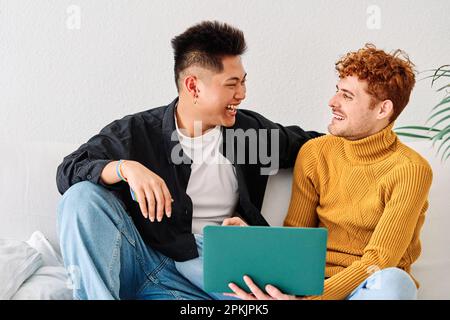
x,y
435,73
443,67
438,113
406,134
446,152
443,143
443,101
440,121
445,74
418,128
442,88
441,134
433,70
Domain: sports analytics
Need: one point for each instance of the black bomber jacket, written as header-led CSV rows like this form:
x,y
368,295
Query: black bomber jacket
x,y
147,137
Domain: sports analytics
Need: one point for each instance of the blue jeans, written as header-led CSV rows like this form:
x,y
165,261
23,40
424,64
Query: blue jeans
x,y
106,256
386,284
193,270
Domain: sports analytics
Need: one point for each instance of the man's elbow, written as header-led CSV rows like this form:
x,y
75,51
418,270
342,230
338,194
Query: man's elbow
x,y
62,181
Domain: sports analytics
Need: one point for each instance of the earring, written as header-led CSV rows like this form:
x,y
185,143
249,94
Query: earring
x,y
195,98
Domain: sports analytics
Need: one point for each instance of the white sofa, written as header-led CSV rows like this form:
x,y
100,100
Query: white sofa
x,y
28,199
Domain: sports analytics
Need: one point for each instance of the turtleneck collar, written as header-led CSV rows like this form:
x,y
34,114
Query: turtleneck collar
x,y
373,148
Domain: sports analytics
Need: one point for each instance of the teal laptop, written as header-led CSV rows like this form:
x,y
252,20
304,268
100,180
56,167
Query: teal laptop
x,y
291,259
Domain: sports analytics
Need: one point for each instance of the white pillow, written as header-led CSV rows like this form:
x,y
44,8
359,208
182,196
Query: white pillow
x,y
51,281
48,283
49,255
18,261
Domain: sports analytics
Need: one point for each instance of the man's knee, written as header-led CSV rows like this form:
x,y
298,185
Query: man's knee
x,y
80,200
395,283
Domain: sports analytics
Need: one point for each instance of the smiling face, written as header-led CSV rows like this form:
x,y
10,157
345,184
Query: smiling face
x,y
218,93
354,113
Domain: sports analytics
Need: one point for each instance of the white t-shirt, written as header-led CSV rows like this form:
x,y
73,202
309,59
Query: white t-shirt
x,y
212,186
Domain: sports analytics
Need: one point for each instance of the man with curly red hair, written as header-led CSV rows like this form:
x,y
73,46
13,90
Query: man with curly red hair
x,y
361,183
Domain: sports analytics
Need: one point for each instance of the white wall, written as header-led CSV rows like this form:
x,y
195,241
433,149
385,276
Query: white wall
x,y
59,85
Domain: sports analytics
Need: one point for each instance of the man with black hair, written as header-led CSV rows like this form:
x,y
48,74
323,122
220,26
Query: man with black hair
x,y
137,195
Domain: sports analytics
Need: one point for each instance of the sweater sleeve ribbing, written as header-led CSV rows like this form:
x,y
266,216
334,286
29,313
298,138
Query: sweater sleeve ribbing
x,y
304,197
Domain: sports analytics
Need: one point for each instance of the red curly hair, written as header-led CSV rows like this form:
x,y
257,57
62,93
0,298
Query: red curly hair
x,y
389,76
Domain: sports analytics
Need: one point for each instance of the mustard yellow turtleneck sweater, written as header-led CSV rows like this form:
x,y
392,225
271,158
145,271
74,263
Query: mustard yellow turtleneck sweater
x,y
371,195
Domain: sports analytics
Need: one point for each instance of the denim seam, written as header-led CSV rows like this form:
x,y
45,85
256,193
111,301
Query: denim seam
x,y
122,228
152,277
155,271
116,252
129,239
152,282
122,211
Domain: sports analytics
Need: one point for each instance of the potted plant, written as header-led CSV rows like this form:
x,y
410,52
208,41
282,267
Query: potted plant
x,y
437,126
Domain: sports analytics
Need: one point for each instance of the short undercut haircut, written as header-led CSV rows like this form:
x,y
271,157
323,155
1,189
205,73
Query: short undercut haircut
x,y
205,45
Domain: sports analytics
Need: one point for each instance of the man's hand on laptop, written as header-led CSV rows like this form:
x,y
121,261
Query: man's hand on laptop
x,y
235,221
271,293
